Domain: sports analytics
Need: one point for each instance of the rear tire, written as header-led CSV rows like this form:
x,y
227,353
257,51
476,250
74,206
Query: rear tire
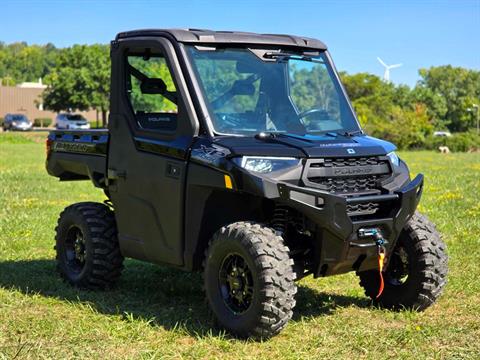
x,y
417,269
249,280
88,253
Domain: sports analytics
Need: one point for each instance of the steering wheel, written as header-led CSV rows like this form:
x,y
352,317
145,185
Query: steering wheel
x,y
311,111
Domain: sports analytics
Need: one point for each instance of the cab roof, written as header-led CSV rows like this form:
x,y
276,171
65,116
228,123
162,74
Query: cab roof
x,y
210,37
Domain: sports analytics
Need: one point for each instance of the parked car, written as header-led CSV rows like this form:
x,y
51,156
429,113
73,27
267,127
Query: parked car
x,y
71,121
18,122
442,133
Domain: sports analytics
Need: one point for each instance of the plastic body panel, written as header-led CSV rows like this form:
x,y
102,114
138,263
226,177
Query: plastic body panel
x,y
198,36
147,168
78,155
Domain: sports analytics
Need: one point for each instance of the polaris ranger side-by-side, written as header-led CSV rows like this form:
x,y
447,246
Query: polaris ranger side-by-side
x,y
239,155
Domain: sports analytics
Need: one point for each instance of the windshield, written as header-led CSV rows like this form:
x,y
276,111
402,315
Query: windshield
x,y
75,118
253,91
20,118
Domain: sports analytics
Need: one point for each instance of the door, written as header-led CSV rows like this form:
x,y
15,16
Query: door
x,y
152,124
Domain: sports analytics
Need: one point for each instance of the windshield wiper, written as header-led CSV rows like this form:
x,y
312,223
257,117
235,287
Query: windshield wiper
x,y
265,135
352,133
338,133
268,135
282,56
273,55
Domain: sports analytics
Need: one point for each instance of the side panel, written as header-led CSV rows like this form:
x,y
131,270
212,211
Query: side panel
x,y
78,155
147,167
148,202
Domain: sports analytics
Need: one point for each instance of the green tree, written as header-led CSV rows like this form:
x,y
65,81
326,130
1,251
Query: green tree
x,y
459,87
404,127
436,105
372,98
20,62
80,80
387,111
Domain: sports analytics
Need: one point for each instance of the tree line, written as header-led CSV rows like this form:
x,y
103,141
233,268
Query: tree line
x,y
442,99
78,78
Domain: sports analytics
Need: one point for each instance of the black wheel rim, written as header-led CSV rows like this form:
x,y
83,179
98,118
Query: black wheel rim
x,y
75,250
399,267
236,283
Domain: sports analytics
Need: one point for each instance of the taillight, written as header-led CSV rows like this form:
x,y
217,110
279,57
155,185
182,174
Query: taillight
x,y
48,147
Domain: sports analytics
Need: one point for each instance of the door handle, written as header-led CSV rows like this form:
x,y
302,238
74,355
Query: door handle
x,y
173,170
114,174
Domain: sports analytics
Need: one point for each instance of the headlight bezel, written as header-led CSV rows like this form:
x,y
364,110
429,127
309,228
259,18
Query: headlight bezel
x,y
266,164
394,159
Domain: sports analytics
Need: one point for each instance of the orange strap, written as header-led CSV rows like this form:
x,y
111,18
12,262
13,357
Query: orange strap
x,y
381,259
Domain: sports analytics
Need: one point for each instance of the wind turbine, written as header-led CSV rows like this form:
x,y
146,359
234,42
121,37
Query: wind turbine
x,y
386,74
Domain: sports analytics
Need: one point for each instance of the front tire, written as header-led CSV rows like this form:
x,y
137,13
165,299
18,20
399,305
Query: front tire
x,y
249,280
417,270
88,253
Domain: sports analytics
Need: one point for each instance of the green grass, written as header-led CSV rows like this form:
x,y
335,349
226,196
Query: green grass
x,y
156,312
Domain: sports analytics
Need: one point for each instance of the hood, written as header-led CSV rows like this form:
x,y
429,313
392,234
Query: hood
x,y
306,145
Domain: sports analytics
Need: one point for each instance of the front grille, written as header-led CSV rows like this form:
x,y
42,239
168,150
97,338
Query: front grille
x,y
347,176
341,162
362,208
348,186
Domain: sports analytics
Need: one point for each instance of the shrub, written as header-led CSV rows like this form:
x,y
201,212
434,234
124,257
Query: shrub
x,y
93,124
1,121
42,122
465,141
407,129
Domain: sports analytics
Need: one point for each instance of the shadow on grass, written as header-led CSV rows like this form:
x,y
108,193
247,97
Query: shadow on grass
x,y
165,297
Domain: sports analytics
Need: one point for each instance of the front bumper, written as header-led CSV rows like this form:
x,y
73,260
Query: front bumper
x,y
21,128
341,248
79,127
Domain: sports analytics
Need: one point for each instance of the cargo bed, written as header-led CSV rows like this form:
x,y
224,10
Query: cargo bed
x,y
78,155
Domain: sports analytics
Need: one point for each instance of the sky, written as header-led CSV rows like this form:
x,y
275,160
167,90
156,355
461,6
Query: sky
x,y
418,34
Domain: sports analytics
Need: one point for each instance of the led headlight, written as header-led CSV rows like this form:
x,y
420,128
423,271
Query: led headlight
x,y
266,164
394,159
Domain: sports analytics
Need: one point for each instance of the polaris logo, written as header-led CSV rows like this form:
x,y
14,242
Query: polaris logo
x,y
350,151
364,170
74,147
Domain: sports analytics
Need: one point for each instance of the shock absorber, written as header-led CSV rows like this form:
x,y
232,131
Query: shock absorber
x,y
279,219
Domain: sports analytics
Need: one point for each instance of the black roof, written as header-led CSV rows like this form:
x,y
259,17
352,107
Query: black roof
x,y
199,36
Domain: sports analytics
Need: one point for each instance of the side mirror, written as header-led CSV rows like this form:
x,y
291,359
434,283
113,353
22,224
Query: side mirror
x,y
241,87
157,86
153,86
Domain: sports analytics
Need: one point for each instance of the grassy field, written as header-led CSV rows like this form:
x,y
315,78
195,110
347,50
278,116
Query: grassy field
x,y
157,312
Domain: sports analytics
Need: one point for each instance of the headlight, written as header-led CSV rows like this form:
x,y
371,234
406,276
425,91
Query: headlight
x,y
266,164
394,158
